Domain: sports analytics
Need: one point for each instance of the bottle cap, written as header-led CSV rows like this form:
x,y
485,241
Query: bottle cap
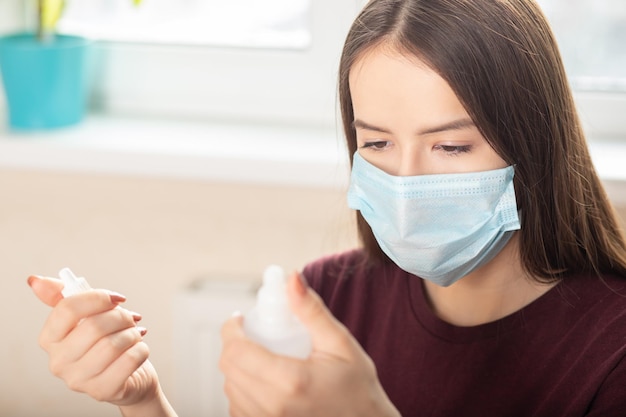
x,y
272,304
271,322
71,283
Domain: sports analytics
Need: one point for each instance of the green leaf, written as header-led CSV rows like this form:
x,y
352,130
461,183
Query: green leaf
x,y
51,11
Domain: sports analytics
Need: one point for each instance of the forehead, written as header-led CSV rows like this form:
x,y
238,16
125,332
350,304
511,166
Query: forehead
x,y
387,51
384,79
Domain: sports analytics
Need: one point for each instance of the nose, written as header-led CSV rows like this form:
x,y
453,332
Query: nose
x,y
410,163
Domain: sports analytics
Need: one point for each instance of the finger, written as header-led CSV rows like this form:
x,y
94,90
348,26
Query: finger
x,y
46,289
237,348
233,328
327,333
116,379
240,352
263,376
102,355
91,330
70,311
267,391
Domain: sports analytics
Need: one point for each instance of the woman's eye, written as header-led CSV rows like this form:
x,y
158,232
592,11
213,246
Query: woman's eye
x,y
454,149
376,145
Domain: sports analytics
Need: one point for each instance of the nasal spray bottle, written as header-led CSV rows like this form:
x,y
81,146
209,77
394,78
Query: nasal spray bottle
x,y
71,283
271,323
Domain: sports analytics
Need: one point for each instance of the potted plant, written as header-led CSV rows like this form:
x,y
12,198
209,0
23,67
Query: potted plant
x,y
45,74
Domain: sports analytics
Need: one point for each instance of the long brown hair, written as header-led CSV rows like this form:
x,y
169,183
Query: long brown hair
x,y
501,60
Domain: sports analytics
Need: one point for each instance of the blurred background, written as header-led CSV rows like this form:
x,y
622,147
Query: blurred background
x,y
208,150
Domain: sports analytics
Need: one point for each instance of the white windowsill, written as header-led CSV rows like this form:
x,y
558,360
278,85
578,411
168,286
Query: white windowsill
x,y
259,154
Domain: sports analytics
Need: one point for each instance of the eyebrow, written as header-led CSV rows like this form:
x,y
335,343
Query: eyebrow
x,y
453,125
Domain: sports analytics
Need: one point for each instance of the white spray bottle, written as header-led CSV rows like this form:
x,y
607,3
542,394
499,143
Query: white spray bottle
x,y
271,323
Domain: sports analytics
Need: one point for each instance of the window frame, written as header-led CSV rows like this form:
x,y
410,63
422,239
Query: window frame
x,y
256,85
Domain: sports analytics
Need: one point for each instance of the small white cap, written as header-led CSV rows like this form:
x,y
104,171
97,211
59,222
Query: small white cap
x,y
71,283
272,303
271,322
274,276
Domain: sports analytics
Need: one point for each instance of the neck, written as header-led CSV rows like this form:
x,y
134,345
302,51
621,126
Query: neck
x,y
492,292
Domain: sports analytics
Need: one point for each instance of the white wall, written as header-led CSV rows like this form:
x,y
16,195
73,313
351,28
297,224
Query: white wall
x,y
11,15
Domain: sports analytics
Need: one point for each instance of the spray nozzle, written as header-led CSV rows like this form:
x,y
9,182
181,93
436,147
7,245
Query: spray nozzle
x,y
274,283
271,322
71,283
272,296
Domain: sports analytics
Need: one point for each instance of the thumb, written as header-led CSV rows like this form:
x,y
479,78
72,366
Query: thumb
x,y
327,333
46,289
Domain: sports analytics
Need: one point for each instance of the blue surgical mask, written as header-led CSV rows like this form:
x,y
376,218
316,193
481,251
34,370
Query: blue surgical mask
x,y
438,227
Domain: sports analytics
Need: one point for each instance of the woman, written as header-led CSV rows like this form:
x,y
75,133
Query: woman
x,y
491,281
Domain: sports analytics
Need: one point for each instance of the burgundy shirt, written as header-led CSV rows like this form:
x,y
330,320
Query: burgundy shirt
x,y
562,355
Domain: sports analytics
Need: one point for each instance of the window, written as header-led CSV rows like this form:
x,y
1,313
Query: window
x,y
233,23
211,59
276,60
592,39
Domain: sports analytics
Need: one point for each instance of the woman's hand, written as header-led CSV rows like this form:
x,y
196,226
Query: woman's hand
x,y
338,379
97,349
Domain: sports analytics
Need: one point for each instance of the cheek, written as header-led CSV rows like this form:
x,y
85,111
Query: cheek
x,y
484,158
491,157
381,160
494,161
472,162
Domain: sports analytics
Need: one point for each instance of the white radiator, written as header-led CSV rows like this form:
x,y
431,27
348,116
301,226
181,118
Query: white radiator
x,y
199,313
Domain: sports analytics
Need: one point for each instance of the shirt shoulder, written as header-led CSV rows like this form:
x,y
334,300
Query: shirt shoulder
x,y
325,272
344,276
359,291
604,296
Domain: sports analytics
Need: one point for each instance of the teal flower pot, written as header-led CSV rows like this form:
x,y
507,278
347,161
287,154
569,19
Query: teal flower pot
x,y
45,82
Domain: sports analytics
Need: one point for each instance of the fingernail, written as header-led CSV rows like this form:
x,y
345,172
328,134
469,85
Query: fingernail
x,y
116,298
142,331
30,280
236,313
136,316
